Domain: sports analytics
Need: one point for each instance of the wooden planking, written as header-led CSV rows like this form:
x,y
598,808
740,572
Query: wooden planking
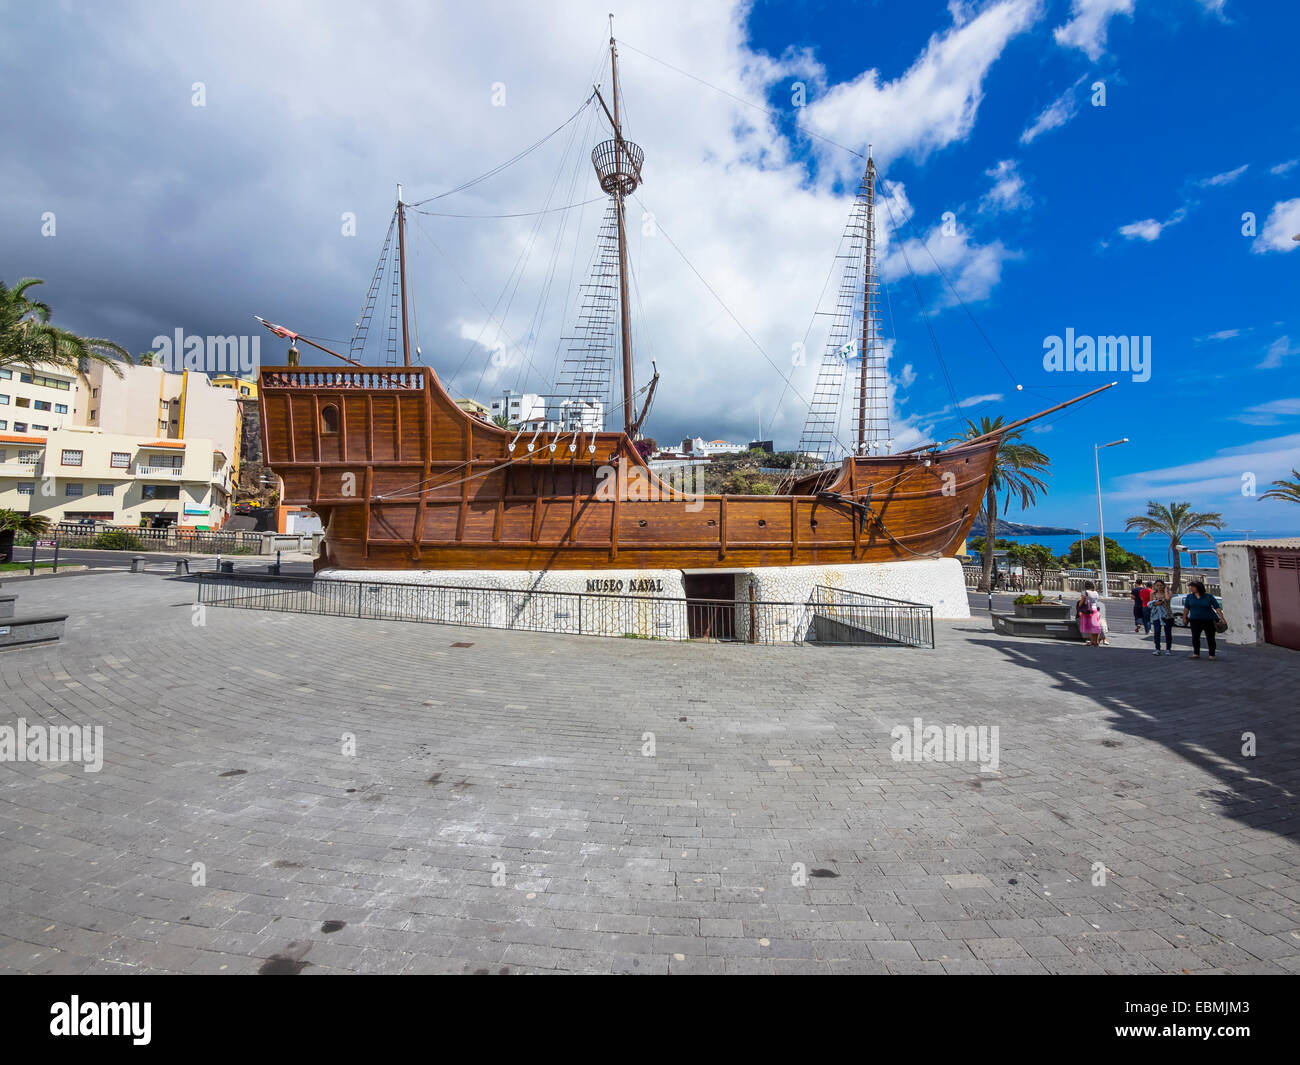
x,y
913,509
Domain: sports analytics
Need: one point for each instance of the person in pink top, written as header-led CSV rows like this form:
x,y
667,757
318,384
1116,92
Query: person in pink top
x,y
1087,610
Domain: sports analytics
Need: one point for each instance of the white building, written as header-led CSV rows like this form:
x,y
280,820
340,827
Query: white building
x,y
524,408
700,446
35,403
181,414
79,472
585,415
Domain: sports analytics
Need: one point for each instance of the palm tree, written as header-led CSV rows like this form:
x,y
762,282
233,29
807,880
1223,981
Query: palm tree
x,y
1286,490
28,339
1174,521
503,420
15,521
1016,474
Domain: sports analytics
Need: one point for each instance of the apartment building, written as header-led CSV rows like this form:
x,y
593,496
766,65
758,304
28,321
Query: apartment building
x,y
80,472
139,438
38,402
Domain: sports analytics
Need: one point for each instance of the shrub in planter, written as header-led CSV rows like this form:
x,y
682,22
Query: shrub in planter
x,y
117,540
1027,599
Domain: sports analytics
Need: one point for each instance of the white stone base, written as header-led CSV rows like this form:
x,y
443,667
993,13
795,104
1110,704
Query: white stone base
x,y
936,582
642,603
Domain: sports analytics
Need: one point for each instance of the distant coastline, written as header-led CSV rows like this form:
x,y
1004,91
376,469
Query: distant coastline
x,y
1015,528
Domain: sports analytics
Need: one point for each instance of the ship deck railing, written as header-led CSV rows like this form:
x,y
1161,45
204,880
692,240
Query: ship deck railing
x,y
830,616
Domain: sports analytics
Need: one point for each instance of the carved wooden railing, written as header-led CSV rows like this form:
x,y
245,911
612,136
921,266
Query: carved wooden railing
x,y
385,380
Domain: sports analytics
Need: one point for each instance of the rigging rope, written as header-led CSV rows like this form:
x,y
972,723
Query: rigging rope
x,y
509,162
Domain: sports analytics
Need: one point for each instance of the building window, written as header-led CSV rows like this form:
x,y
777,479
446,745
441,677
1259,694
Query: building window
x,y
6,374
22,401
120,460
71,458
29,458
26,488
60,408
160,491
3,424
41,428
94,392
41,404
20,427
104,490
73,489
329,418
4,400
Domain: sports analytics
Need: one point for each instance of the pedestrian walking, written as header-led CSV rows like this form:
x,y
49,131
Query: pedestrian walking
x,y
1146,608
1087,612
1135,593
1201,611
1161,613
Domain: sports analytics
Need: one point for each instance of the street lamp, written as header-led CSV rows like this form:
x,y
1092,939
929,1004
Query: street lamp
x,y
1101,524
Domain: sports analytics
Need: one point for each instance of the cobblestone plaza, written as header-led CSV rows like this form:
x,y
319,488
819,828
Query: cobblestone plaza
x,y
287,793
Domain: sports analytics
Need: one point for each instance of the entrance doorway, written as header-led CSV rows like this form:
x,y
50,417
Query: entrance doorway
x,y
711,605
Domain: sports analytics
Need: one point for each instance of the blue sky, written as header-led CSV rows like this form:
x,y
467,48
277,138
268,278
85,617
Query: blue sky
x,y
1123,219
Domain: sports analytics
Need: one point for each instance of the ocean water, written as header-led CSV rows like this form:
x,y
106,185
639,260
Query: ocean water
x,y
1155,549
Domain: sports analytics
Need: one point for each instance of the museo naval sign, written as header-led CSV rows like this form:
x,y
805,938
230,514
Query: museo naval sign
x,y
633,586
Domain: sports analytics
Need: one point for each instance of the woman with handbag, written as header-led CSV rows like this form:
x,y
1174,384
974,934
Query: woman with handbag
x,y
1201,611
1162,614
1087,611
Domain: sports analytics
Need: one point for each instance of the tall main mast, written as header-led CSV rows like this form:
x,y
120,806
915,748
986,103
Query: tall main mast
x,y
401,259
618,168
868,334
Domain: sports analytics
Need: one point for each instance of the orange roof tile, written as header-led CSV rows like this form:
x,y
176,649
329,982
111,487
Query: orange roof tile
x,y
165,443
6,439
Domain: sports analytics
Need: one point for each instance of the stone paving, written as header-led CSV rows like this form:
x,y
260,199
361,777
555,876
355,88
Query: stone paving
x,y
500,815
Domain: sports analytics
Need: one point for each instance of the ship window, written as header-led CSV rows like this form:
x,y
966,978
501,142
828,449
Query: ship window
x,y
762,524
329,418
641,523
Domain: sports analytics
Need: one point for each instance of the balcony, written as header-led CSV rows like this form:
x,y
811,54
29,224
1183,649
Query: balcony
x,y
18,469
166,473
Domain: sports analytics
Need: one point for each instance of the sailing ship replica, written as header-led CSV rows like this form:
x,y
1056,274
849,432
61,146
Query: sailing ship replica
x,y
405,479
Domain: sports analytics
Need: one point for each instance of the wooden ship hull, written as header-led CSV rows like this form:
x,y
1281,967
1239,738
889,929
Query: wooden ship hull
x,y
403,478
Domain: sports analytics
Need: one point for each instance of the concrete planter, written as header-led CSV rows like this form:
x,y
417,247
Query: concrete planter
x,y
1042,610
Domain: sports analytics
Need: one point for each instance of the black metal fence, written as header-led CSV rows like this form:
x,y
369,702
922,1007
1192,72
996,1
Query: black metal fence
x,y
830,616
188,541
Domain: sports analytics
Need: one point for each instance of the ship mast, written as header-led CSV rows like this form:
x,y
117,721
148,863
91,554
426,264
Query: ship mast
x,y
618,168
868,335
401,258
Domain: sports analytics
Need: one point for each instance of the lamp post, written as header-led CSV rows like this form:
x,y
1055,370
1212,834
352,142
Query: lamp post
x,y
1101,524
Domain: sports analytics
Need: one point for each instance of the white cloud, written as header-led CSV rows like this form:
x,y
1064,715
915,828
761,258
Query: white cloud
x,y
1054,115
1087,27
1147,229
1270,413
1224,334
975,401
1283,224
1226,178
1283,168
1277,351
935,102
1008,191
1216,480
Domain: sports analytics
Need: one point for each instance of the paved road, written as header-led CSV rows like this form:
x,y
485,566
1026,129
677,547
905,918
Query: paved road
x,y
499,813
